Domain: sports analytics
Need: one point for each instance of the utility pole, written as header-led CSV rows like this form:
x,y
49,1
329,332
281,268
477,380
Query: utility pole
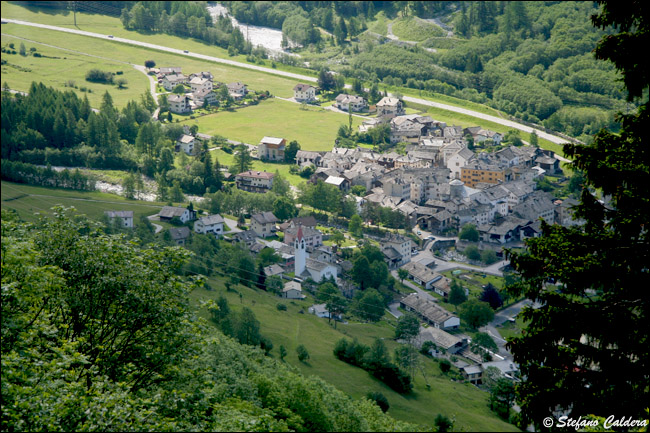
x,y
74,11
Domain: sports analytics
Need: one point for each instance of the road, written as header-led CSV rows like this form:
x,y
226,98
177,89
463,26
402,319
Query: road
x,y
300,77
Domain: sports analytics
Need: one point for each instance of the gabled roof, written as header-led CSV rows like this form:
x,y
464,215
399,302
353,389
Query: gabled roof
x,y
301,87
264,218
179,233
171,211
211,219
119,213
256,174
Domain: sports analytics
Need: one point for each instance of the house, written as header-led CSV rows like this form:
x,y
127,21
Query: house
x,y
200,84
507,231
340,182
548,163
472,373
179,104
292,290
458,160
203,97
321,311
442,339
125,217
167,213
304,93
246,237
396,250
172,70
422,274
313,238
430,312
237,90
479,135
308,221
273,269
442,286
254,181
187,143
209,224
536,205
179,235
308,157
389,107
350,103
482,172
263,224
171,81
271,148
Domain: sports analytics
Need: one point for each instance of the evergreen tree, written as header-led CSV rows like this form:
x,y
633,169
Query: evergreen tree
x,y
573,354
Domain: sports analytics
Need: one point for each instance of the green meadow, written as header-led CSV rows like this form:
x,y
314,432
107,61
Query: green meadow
x,y
28,200
460,401
313,127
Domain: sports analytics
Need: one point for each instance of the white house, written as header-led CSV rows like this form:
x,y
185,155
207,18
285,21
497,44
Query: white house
x,y
304,93
389,107
292,290
199,83
169,212
271,148
320,310
179,103
347,102
237,90
171,81
125,216
209,224
187,144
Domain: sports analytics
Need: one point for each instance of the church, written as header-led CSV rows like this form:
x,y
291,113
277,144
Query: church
x,y
310,268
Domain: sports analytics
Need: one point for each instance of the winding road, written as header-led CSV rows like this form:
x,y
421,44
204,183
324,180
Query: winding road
x,y
306,78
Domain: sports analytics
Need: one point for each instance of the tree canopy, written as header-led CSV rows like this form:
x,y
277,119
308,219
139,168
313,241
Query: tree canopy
x,y
574,353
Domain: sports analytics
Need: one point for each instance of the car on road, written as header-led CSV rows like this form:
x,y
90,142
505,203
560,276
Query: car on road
x,y
110,36
186,51
419,233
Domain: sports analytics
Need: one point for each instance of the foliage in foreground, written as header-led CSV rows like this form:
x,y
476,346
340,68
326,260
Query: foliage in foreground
x,y
97,334
599,363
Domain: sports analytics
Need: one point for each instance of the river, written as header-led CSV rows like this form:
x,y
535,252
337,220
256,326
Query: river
x,y
267,37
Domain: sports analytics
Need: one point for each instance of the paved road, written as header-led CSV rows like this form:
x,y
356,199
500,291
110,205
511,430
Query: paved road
x,y
300,77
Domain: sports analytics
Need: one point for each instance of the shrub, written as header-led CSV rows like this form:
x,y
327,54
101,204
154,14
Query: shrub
x,y
281,307
380,399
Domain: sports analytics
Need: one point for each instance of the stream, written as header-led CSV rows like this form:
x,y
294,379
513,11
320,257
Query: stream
x,y
267,37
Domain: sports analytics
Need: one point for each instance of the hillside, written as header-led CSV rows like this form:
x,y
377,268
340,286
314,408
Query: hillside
x,y
290,328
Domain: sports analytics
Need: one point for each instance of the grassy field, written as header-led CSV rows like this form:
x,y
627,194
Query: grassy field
x,y
290,328
415,29
112,25
58,67
228,159
313,127
117,52
28,200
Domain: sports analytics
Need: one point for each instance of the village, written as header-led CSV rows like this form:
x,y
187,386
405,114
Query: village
x,y
438,182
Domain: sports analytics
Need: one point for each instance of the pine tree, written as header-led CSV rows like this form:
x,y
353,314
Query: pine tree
x,y
585,349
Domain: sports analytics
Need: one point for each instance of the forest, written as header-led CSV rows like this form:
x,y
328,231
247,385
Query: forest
x,y
532,60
